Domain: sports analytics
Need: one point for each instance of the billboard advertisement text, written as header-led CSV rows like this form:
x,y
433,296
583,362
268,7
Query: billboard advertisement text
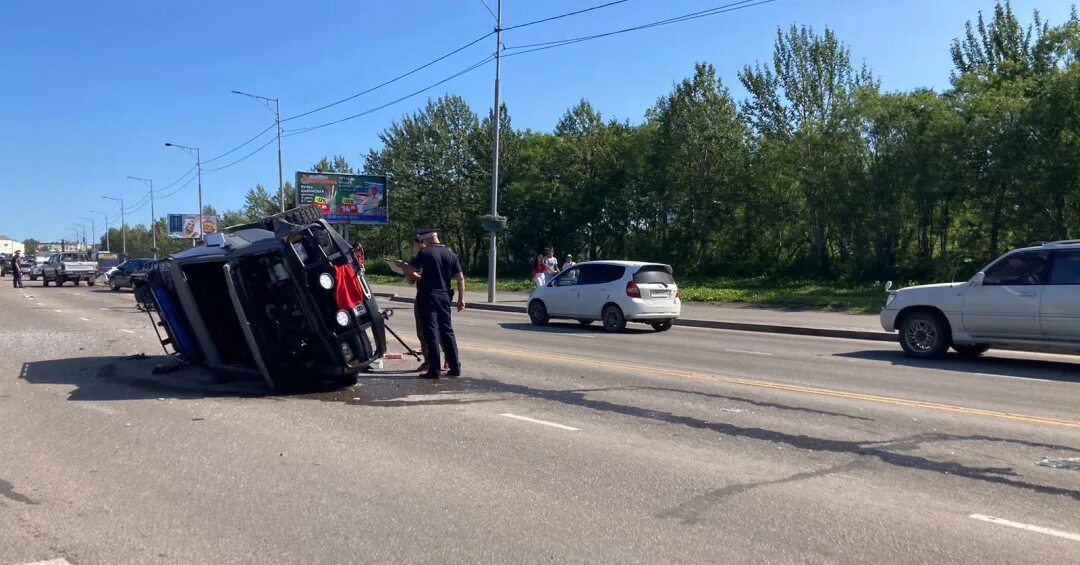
x,y
186,226
352,199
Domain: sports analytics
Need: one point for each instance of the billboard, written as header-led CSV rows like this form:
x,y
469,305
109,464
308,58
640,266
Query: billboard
x,y
186,226
344,198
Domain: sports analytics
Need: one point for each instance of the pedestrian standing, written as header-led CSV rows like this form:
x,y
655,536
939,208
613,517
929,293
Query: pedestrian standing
x,y
16,269
551,265
538,271
431,269
569,263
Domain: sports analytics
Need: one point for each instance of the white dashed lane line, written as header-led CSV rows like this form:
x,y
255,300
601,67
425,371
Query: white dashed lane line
x,y
60,561
541,422
58,311
1027,527
85,319
747,352
126,331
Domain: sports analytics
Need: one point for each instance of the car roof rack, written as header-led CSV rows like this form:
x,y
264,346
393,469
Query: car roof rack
x,y
1064,242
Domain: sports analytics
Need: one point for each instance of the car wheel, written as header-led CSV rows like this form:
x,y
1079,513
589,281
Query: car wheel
x,y
971,350
91,282
538,313
614,320
114,287
663,326
60,281
75,282
924,335
33,278
585,322
44,281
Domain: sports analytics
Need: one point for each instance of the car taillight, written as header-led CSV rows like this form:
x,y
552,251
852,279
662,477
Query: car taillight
x,y
632,290
675,294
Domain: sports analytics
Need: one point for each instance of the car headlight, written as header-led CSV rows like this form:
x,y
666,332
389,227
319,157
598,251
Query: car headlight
x,y
890,299
342,318
346,352
326,281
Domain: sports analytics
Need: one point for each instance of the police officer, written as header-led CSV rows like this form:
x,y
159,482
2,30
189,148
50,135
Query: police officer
x,y
432,268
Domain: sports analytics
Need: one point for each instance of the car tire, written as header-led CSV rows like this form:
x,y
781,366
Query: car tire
x,y
972,350
924,335
91,282
585,322
75,282
663,326
538,313
302,215
60,281
114,287
614,320
44,281
33,278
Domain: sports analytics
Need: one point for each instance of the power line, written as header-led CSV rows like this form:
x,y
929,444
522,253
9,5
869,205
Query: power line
x,y
484,2
245,157
533,47
468,69
393,80
178,189
560,16
238,147
177,181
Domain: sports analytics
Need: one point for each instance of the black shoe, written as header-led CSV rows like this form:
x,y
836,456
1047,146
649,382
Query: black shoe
x,y
434,375
454,372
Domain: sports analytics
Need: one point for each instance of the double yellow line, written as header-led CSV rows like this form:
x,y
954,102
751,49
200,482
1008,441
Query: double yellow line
x,y
587,361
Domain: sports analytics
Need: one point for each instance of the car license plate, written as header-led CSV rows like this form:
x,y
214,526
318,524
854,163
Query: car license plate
x,y
661,294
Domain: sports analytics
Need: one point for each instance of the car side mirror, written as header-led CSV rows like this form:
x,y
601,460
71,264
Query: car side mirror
x,y
978,279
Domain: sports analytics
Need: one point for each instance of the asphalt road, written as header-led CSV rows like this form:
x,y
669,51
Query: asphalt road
x,y
561,445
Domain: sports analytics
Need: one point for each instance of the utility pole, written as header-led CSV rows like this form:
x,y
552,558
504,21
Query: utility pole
x,y
266,100
153,217
198,166
107,246
93,228
495,156
123,223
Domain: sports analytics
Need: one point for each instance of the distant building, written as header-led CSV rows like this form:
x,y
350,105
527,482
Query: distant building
x,y
9,246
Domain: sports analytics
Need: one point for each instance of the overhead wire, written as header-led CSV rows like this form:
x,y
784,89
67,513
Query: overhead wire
x,y
393,80
244,158
298,131
238,147
560,16
484,2
731,7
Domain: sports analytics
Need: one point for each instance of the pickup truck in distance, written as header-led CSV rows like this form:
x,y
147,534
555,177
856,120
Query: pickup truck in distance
x,y
74,267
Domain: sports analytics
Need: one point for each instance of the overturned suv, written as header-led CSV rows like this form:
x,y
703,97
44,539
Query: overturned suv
x,y
283,297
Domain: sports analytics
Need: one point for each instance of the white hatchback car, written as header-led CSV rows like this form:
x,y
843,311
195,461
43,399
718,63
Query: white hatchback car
x,y
614,292
1026,297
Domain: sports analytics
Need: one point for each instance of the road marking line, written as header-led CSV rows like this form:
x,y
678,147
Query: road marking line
x,y
541,422
103,309
126,331
777,386
59,561
40,304
1028,527
748,352
58,311
85,319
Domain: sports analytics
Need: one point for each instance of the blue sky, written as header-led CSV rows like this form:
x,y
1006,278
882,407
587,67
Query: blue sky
x,y
91,91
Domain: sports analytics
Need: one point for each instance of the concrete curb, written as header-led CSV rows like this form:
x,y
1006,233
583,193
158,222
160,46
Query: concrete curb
x,y
863,335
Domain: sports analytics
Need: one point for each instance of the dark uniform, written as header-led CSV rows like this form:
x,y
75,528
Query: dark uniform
x,y
438,265
16,272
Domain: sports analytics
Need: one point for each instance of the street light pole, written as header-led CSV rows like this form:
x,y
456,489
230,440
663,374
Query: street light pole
x,y
123,223
107,246
198,166
266,100
153,216
492,253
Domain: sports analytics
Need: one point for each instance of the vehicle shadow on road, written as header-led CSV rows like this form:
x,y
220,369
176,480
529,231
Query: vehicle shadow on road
x,y
133,378
571,328
1037,369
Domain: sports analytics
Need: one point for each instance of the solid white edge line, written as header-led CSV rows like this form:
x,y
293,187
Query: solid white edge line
x,y
1028,527
541,422
58,561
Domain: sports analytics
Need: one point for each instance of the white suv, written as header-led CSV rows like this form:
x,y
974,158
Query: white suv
x,y
614,292
1027,297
